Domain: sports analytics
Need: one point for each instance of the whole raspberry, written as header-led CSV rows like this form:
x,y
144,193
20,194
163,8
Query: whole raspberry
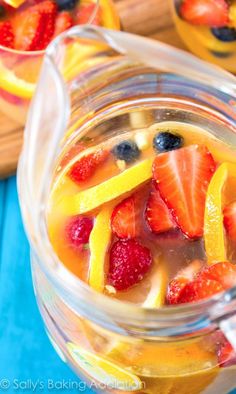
x,y
78,230
129,262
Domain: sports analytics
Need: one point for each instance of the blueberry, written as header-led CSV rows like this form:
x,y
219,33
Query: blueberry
x,y
127,151
226,34
166,141
66,4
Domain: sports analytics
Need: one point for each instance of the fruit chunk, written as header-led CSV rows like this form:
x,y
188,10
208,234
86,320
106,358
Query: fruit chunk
x,y
182,177
48,8
63,22
85,167
99,243
129,262
126,220
157,214
193,284
159,280
213,13
222,272
6,34
177,284
88,13
213,222
34,27
198,290
127,151
14,85
114,187
78,230
230,220
166,141
232,13
14,3
103,371
225,34
226,353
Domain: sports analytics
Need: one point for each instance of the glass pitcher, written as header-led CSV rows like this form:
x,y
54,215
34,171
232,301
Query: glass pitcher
x,y
128,82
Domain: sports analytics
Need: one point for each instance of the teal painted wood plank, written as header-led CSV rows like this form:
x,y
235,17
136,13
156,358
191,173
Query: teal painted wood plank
x,y
26,352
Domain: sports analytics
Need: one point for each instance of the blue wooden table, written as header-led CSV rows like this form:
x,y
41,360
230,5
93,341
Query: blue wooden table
x,y
26,355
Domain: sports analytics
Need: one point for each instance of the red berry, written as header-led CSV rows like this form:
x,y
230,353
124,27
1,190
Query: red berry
x,y
198,290
34,27
6,34
226,353
224,273
182,177
177,284
230,220
212,13
78,230
126,217
129,262
87,13
174,289
157,214
63,22
48,8
85,167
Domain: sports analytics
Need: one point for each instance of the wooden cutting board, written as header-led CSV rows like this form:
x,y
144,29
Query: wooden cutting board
x,y
146,17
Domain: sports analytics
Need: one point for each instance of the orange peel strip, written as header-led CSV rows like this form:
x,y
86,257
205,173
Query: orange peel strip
x,y
214,234
99,242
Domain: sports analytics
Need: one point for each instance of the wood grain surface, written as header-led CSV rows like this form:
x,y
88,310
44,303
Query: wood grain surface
x,y
146,17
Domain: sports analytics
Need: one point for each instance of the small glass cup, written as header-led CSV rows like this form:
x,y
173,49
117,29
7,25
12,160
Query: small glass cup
x,y
19,71
118,347
205,41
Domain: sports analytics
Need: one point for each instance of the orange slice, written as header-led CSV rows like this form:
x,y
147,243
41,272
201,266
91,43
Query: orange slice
x,y
15,85
214,235
104,371
92,198
99,242
14,3
109,15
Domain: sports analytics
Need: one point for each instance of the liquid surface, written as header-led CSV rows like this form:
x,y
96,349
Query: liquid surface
x,y
211,33
170,248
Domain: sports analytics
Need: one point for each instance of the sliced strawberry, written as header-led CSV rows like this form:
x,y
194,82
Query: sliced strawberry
x,y
183,176
198,290
63,22
212,13
177,284
48,8
223,272
28,28
126,218
34,27
230,220
174,289
87,13
6,34
85,167
157,214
